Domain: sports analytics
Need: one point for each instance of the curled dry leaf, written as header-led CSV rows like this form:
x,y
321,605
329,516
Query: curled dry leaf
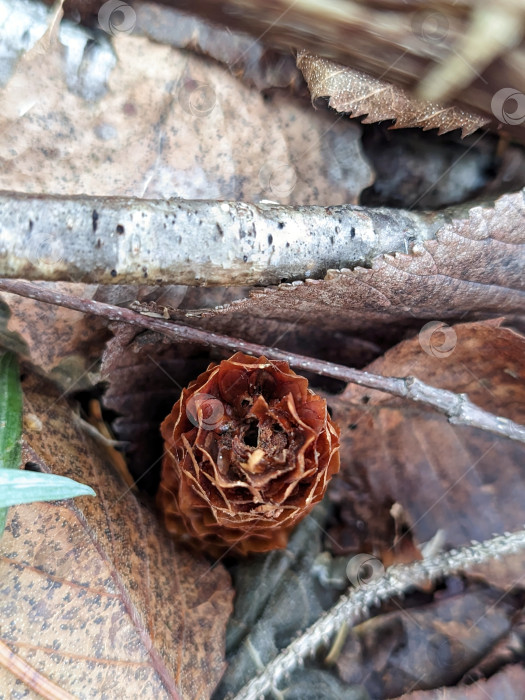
x,y
249,451
95,595
360,94
460,480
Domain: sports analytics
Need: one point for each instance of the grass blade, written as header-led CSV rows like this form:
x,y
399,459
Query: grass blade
x,y
11,403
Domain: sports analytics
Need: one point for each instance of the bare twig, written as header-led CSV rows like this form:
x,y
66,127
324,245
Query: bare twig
x,y
457,407
355,606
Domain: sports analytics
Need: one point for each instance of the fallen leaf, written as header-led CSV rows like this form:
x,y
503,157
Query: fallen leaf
x,y
190,128
506,685
95,596
64,343
145,375
426,646
264,622
460,480
472,266
357,93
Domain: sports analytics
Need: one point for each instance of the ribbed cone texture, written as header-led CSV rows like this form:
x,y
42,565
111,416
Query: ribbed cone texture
x,y
249,450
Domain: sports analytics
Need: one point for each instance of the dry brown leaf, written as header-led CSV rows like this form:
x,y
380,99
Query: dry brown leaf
x,y
460,480
95,596
145,374
427,646
60,341
357,93
473,266
508,684
189,128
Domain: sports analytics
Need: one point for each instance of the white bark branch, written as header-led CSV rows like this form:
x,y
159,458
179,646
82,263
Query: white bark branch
x,y
119,240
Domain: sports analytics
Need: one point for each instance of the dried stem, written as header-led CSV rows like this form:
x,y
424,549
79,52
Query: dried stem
x,y
355,606
457,407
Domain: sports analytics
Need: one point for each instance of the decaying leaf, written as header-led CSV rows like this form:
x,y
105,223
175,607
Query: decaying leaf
x,y
358,603
359,94
145,375
64,343
189,127
458,480
95,596
506,685
428,646
473,267
264,620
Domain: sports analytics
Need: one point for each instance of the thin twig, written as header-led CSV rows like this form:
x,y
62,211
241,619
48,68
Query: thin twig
x,y
355,606
30,676
457,407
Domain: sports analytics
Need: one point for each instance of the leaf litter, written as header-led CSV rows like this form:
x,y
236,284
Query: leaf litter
x,y
471,268
94,594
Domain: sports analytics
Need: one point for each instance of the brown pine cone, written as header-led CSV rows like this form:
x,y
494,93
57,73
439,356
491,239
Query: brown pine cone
x,y
249,451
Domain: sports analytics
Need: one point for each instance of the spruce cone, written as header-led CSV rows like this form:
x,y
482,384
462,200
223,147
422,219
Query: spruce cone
x,y
249,451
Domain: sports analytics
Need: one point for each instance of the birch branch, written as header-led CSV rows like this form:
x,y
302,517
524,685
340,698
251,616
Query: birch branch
x,y
125,240
355,606
457,407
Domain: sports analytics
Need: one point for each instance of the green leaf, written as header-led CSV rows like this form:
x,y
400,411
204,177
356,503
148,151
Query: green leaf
x,y
11,403
21,486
